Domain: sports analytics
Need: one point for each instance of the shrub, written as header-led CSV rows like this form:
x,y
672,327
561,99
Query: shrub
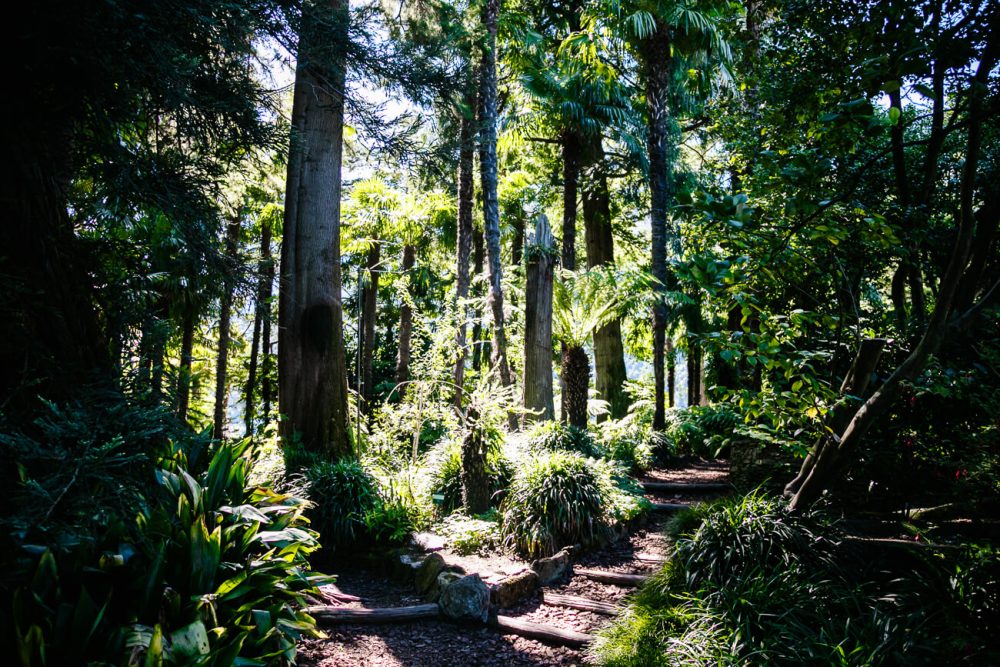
x,y
468,535
623,496
555,499
630,442
550,436
445,463
701,430
342,494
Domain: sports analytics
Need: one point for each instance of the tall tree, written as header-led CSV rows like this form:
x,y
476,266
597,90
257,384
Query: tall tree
x,y
262,316
541,254
312,371
466,187
225,322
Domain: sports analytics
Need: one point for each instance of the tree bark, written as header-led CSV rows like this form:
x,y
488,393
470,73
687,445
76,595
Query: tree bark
x,y
609,354
188,326
312,369
475,478
225,318
266,391
491,208
477,325
467,141
575,375
571,193
538,325
263,294
656,56
405,322
369,315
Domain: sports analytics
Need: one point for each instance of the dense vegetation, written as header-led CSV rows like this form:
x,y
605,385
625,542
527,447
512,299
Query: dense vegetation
x,y
285,280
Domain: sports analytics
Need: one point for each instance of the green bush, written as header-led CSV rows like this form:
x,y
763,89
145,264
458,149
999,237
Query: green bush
x,y
555,499
343,494
701,430
469,535
445,463
550,436
630,442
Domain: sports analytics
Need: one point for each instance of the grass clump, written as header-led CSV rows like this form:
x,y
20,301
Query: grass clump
x,y
551,436
445,464
469,535
555,499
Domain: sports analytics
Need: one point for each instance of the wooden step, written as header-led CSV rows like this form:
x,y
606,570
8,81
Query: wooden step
x,y
687,487
583,604
617,578
668,507
326,614
540,631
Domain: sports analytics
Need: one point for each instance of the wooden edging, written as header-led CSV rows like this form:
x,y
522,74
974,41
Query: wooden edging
x,y
541,631
617,578
333,615
583,604
682,487
668,507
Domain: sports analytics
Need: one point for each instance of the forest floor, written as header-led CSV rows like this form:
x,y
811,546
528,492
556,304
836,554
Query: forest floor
x,y
434,643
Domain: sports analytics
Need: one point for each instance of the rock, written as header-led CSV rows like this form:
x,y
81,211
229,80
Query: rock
x,y
552,568
427,541
466,599
403,566
510,591
442,582
426,575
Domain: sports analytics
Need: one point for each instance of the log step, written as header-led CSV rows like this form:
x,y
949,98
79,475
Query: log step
x,y
540,631
583,604
332,615
617,578
651,558
668,507
683,487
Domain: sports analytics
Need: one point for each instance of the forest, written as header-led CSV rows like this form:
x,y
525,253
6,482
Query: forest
x,y
500,332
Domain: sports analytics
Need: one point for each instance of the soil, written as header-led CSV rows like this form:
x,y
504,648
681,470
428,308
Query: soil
x,y
444,644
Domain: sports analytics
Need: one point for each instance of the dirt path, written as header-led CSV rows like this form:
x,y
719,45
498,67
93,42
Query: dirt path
x,y
439,643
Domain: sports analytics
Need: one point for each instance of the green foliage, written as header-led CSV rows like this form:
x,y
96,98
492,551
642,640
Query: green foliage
x,y
701,430
555,499
342,494
631,441
445,462
548,436
469,535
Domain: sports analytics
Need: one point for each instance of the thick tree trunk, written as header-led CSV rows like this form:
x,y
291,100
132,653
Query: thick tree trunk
x,y
405,323
491,209
609,354
264,266
369,315
575,375
656,56
467,140
312,369
225,318
538,325
188,325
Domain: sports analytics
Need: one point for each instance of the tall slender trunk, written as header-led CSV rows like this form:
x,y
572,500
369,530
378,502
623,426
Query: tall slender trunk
x,y
261,305
477,327
671,372
466,191
267,357
369,315
571,192
312,368
609,354
538,325
405,322
225,317
656,56
491,209
517,243
188,326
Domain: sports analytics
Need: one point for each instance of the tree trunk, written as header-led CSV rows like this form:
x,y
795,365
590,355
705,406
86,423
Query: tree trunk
x,y
405,323
571,182
656,56
266,391
671,372
263,294
538,325
475,478
312,369
225,317
477,327
369,314
609,355
184,372
575,372
467,140
491,209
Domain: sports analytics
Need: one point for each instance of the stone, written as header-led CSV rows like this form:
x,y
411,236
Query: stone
x,y
512,590
403,567
466,599
554,567
426,575
442,582
427,541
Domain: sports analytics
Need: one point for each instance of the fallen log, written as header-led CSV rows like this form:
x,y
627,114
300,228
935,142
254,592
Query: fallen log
x,y
583,604
333,615
682,487
540,631
617,578
651,558
668,507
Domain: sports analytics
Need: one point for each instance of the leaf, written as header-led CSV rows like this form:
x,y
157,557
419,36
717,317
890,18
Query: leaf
x,y
190,641
894,114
